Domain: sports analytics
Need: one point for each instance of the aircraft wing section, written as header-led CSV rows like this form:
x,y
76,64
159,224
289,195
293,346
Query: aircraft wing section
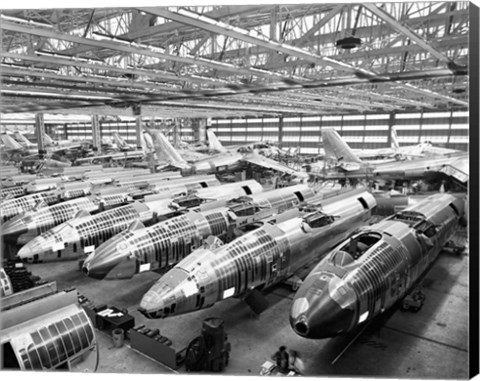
x,y
349,167
458,168
268,163
62,150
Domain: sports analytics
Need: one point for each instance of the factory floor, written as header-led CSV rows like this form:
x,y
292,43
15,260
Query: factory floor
x,y
432,343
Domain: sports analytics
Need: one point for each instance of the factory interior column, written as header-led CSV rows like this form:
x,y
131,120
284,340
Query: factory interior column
x,y
280,131
40,133
97,139
176,132
138,131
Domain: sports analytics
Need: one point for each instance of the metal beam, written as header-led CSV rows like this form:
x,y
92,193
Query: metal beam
x,y
163,75
406,31
379,31
314,29
249,89
457,41
133,48
206,23
199,21
108,81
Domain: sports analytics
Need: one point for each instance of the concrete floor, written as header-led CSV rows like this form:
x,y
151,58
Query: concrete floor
x,y
429,344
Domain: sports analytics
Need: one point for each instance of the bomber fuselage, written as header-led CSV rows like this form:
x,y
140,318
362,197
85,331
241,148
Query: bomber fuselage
x,y
257,259
373,269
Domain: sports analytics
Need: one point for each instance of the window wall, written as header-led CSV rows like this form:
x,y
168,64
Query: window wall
x,y
446,129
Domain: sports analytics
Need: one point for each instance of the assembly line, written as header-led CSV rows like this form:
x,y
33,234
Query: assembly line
x,y
208,241
246,190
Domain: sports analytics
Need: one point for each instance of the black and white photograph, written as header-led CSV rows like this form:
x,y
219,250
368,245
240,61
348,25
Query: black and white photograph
x,y
274,189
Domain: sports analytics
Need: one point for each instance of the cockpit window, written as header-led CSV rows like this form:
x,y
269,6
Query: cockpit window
x,y
245,210
317,220
408,216
359,244
240,199
307,208
190,201
427,228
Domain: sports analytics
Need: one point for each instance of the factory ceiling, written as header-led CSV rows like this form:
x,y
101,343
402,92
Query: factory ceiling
x,y
235,61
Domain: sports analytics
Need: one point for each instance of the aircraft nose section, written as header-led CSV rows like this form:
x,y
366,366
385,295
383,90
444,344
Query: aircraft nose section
x,y
320,317
171,295
12,229
154,302
109,261
27,254
35,249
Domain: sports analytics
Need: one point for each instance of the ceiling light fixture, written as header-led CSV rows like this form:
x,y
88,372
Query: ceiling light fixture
x,y
31,22
349,42
126,42
67,56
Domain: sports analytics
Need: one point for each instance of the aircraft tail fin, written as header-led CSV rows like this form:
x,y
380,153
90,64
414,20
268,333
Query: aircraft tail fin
x,y
119,141
48,140
336,147
21,138
11,143
394,139
213,142
165,150
147,142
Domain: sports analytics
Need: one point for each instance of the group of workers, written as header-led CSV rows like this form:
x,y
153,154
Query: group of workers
x,y
288,361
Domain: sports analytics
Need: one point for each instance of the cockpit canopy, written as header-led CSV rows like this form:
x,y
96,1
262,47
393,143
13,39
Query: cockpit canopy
x,y
318,219
245,209
240,199
410,217
356,246
307,208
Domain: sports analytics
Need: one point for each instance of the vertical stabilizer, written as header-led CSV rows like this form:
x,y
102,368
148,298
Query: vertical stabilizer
x,y
213,142
49,142
11,143
164,150
22,139
394,139
335,147
121,144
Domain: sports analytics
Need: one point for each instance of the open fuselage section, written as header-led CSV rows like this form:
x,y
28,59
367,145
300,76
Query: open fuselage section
x,y
166,243
257,259
373,269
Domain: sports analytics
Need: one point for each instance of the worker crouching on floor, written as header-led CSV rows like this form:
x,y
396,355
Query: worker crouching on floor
x,y
296,363
281,358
